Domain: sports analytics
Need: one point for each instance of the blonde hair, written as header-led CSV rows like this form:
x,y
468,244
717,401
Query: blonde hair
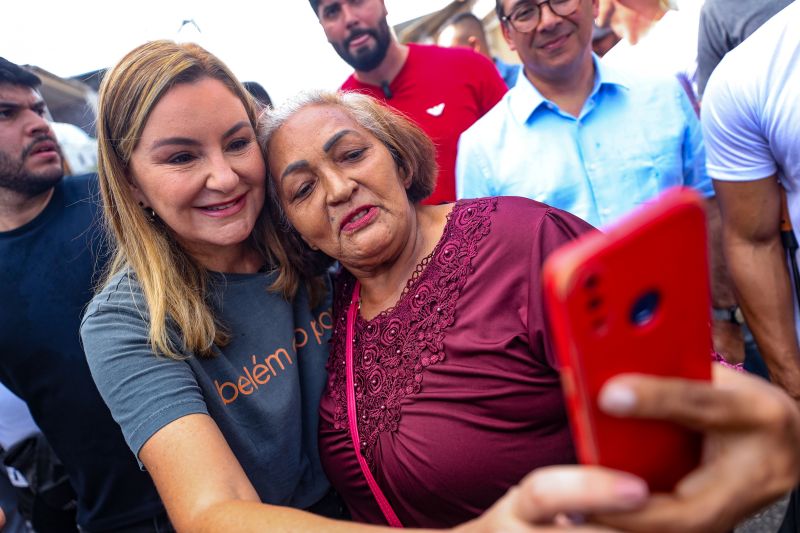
x,y
173,283
412,151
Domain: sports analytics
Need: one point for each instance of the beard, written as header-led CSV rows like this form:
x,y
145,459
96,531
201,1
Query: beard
x,y
15,178
366,59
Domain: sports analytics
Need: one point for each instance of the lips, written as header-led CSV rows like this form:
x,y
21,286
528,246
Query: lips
x,y
358,38
224,209
43,147
555,42
358,218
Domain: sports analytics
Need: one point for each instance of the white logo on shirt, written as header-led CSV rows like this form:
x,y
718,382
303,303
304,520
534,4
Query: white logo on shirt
x,y
437,110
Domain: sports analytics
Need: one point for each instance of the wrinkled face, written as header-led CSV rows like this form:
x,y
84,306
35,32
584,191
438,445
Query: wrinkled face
x,y
30,158
559,46
199,167
340,187
358,31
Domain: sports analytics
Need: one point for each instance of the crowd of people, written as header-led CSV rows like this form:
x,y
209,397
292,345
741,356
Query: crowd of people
x,y
306,317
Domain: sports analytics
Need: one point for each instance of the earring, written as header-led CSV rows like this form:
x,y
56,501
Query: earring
x,y
148,212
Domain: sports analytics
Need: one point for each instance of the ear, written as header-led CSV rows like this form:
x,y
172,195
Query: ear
x,y
406,178
507,37
137,193
473,43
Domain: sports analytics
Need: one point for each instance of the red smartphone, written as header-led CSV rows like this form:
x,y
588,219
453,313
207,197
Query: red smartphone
x,y
633,299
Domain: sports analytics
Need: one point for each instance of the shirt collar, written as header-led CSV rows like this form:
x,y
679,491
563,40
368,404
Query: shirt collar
x,y
524,98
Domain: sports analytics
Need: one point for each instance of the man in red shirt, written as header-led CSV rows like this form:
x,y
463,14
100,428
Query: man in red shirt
x,y
443,90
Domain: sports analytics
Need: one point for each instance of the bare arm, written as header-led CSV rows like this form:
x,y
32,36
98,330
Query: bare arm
x,y
205,489
757,263
728,338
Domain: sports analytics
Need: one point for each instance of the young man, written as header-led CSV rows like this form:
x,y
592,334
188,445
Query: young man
x,y
50,246
443,90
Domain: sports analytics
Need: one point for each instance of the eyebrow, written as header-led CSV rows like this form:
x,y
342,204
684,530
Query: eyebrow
x,y
186,141
294,167
522,3
329,144
39,104
335,139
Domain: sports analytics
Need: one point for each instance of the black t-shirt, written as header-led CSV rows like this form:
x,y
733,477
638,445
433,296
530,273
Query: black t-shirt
x,y
46,279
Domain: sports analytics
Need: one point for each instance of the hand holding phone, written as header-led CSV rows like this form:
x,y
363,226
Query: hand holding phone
x,y
633,299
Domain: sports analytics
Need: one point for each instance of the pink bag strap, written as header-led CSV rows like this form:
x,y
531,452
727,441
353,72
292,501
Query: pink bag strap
x,y
352,419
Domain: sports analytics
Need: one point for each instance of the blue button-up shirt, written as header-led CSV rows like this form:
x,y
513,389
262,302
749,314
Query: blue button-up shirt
x,y
508,71
634,137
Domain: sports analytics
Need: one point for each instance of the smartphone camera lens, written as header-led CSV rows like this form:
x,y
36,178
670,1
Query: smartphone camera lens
x,y
645,308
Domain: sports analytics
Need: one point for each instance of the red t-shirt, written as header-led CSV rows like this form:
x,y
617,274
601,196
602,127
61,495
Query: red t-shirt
x,y
443,90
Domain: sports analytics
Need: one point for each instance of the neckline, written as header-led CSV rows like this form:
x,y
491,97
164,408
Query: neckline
x,y
43,216
416,275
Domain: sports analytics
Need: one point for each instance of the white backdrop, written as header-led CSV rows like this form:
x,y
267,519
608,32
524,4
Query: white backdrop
x,y
278,43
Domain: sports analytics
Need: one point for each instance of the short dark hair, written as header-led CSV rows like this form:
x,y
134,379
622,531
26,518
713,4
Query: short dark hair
x,y
258,92
498,7
465,18
314,6
13,74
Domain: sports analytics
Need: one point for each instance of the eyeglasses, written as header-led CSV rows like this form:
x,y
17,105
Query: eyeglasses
x,y
525,16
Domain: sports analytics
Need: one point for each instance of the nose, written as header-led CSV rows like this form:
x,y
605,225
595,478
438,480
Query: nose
x,y
222,176
547,18
339,188
349,16
36,124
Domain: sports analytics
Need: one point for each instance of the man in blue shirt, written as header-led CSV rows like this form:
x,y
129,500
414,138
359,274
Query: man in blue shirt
x,y
574,133
582,137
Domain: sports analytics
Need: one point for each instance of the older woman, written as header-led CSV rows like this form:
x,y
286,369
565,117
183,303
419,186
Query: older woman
x,y
442,388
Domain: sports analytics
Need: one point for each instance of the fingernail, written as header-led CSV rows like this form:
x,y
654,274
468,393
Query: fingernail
x,y
617,399
631,489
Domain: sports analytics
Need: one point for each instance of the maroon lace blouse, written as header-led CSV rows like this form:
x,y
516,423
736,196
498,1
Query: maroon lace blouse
x,y
457,396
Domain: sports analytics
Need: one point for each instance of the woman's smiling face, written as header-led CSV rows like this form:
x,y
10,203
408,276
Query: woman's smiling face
x,y
199,167
340,187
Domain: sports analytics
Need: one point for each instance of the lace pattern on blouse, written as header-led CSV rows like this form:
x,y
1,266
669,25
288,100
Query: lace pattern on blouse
x,y
392,350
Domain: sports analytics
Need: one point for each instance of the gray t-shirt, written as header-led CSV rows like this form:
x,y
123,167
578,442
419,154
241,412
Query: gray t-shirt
x,y
262,390
724,24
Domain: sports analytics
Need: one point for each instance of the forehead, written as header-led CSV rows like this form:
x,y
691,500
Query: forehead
x,y
319,122
19,94
194,103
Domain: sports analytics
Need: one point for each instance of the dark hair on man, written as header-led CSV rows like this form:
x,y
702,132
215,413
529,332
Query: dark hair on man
x,y
314,5
498,7
466,18
13,74
258,92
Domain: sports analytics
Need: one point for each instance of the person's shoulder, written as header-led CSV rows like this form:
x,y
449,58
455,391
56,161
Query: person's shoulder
x,y
512,211
491,123
350,84
514,207
452,56
121,292
83,188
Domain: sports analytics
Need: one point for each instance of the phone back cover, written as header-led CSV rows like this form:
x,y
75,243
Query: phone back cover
x,y
592,290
